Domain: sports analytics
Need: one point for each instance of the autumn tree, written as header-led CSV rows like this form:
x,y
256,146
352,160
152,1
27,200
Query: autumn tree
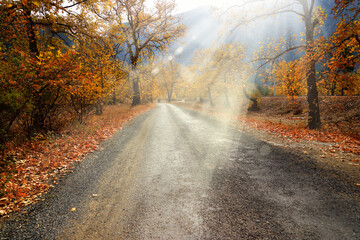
x,y
169,76
289,76
33,39
205,72
232,72
93,78
52,53
147,30
338,75
219,70
311,18
148,79
347,12
343,47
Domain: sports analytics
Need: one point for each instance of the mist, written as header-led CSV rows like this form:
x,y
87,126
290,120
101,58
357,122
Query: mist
x,y
230,84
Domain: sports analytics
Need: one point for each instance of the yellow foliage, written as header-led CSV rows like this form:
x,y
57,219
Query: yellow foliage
x,y
290,78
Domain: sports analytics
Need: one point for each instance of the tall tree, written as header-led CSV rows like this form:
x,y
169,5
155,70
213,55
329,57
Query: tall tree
x,y
205,73
345,41
147,29
348,12
306,9
33,38
169,76
218,70
52,54
148,76
231,69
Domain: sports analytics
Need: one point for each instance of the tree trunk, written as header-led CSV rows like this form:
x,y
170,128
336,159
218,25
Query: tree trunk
x,y
169,95
99,108
314,121
114,96
136,95
254,106
333,88
31,34
210,98
135,81
227,101
38,121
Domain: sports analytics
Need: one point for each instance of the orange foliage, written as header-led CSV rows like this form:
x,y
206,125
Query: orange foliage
x,y
55,60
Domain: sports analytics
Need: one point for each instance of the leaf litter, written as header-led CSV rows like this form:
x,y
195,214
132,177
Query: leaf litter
x,y
41,161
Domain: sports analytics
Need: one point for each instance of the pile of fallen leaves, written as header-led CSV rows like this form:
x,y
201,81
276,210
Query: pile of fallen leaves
x,y
39,162
339,141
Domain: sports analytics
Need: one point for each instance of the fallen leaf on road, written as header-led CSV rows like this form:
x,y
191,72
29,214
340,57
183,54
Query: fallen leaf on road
x,y
354,164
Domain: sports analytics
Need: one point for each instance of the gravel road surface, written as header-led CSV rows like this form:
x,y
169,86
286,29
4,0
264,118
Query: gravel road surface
x,y
175,174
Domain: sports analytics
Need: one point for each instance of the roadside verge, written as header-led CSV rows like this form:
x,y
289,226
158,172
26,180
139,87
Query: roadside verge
x,y
40,162
333,151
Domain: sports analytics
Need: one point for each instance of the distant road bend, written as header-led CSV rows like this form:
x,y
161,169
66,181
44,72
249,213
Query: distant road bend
x,y
175,174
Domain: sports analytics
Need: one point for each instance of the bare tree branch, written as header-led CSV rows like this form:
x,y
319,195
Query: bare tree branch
x,y
267,15
270,59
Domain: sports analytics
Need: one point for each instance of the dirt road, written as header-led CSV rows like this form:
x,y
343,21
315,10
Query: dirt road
x,y
174,174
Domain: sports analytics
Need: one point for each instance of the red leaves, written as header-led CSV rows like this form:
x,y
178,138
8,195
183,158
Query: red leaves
x,y
40,162
342,142
21,194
